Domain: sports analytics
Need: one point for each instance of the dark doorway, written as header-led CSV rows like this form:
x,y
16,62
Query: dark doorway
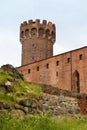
x,y
76,82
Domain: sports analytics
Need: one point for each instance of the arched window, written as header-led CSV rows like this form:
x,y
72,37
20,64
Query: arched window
x,y
33,31
22,34
47,33
41,32
53,34
27,32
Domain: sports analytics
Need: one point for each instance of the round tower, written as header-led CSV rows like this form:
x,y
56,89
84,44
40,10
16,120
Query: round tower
x,y
37,40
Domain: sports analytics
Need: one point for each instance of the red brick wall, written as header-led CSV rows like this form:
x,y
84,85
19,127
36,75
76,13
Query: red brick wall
x,y
61,75
83,103
37,40
35,50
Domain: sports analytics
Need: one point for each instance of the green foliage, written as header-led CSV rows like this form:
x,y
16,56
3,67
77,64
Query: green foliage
x,y
8,122
20,89
4,75
10,97
23,86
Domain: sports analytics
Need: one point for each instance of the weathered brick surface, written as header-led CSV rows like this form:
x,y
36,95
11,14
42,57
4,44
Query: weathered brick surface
x,y
83,103
67,71
65,75
37,40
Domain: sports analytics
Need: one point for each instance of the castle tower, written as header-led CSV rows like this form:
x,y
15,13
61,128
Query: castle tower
x,y
37,40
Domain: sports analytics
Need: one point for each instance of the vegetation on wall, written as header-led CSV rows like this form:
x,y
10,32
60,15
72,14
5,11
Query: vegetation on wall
x,y
13,87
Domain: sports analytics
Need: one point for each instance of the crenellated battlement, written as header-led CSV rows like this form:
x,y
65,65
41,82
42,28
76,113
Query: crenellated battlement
x,y
31,29
37,21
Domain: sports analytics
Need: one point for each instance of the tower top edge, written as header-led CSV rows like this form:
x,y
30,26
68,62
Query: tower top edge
x,y
37,22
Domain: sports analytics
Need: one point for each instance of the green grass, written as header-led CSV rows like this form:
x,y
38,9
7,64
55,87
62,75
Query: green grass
x,y
21,89
4,75
25,91
8,122
22,86
7,97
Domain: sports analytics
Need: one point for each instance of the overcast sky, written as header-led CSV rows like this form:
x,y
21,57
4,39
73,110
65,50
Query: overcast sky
x,y
69,16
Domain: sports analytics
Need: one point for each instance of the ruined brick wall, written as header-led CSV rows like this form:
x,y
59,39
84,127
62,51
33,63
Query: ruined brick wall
x,y
66,71
37,40
82,101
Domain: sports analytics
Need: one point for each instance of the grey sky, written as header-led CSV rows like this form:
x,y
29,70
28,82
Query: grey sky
x,y
69,16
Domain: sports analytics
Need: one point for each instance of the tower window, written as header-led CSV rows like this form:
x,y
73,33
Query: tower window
x,y
37,68
41,31
47,66
80,56
57,74
27,32
68,60
22,34
33,31
47,33
29,71
53,34
57,63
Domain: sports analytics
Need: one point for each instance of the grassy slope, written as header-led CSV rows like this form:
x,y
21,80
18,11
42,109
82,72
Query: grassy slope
x,y
7,122
20,88
23,89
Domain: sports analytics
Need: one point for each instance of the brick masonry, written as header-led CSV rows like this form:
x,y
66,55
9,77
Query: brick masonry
x,y
37,40
67,71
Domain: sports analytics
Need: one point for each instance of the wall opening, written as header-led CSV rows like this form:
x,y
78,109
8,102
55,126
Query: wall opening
x,y
56,74
68,60
80,56
41,32
76,82
27,32
57,63
29,71
33,31
22,34
47,66
53,34
37,68
47,33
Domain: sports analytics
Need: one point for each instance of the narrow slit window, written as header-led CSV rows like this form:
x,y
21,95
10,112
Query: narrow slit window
x,y
57,63
47,66
68,60
56,74
29,71
37,68
80,56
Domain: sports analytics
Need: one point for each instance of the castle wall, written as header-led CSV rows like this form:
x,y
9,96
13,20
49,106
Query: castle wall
x,y
66,71
79,63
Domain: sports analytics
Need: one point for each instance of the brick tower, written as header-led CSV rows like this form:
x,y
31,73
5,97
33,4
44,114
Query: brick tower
x,y
37,40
